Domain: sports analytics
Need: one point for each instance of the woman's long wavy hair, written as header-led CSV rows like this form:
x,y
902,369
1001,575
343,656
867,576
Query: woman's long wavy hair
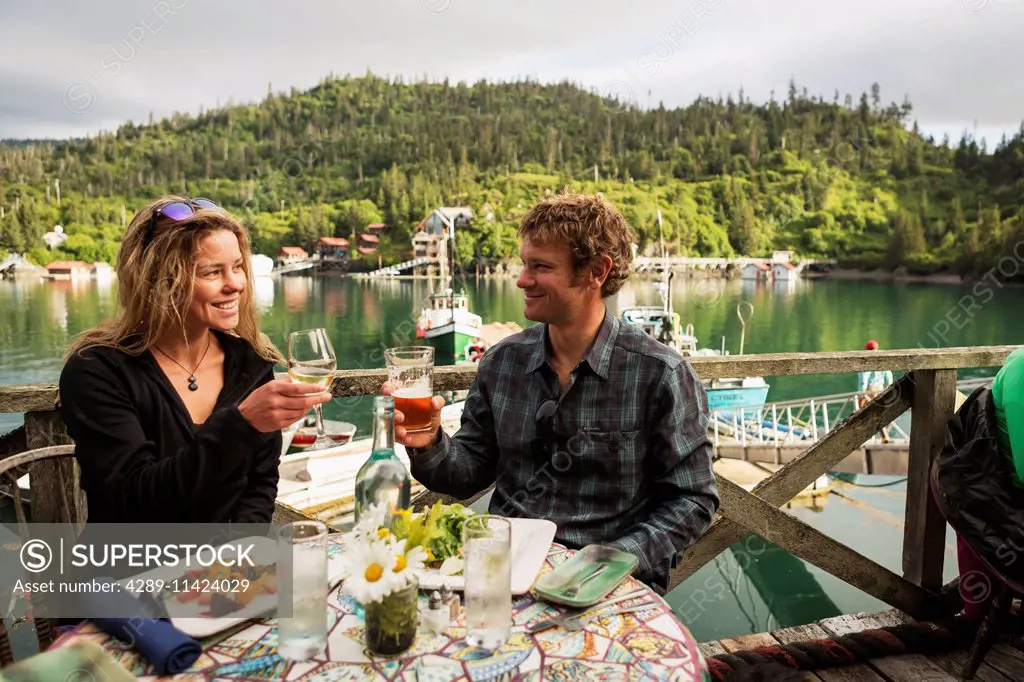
x,y
156,283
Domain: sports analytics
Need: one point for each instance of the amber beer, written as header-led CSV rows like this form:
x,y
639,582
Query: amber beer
x,y
414,404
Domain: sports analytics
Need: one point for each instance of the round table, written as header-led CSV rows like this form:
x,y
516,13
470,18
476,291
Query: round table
x,y
644,645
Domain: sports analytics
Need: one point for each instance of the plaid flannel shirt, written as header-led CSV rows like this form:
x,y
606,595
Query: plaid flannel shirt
x,y
631,467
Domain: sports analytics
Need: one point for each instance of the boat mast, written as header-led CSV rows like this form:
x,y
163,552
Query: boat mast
x,y
448,253
667,276
667,332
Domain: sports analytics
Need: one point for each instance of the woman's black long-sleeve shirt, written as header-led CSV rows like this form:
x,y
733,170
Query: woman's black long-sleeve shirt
x,y
144,461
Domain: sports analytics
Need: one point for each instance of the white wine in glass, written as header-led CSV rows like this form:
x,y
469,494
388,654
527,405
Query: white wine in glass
x,y
311,361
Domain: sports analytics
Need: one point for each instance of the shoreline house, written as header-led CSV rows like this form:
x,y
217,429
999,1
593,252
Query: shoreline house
x,y
784,272
68,269
332,253
757,272
432,231
368,244
290,255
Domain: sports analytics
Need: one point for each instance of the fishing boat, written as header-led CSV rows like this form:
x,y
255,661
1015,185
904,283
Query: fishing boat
x,y
445,321
726,397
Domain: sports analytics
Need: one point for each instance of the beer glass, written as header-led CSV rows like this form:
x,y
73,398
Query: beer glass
x,y
487,552
411,376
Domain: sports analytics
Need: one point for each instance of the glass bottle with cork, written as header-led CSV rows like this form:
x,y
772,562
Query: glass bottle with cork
x,y
383,478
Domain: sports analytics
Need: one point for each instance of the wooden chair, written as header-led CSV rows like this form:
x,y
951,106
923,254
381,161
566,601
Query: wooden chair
x,y
70,508
11,469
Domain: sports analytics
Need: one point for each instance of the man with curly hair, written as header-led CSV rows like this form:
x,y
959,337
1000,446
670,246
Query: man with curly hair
x,y
581,419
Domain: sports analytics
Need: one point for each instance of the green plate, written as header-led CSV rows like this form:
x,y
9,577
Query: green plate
x,y
552,585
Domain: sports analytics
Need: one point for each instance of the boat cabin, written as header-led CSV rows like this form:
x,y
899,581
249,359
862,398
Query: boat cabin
x,y
656,322
441,301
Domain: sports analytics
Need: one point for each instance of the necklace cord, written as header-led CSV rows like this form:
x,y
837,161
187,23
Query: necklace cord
x,y
192,373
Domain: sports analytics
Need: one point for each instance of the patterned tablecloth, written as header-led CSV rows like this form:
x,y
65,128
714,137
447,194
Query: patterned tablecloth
x,y
645,645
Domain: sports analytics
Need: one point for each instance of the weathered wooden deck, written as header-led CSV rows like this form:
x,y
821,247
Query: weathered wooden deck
x,y
1003,662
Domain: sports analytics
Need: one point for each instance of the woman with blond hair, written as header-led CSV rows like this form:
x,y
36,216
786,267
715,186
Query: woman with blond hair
x,y
172,404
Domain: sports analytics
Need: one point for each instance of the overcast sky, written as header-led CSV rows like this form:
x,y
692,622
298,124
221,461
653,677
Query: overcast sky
x,y
72,68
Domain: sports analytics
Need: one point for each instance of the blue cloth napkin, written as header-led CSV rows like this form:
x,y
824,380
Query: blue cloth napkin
x,y
166,647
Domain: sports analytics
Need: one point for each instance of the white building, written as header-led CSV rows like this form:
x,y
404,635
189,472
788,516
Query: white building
x,y
757,272
55,238
784,272
102,271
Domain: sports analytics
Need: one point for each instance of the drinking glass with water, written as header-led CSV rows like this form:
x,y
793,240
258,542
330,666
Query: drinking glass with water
x,y
302,546
487,552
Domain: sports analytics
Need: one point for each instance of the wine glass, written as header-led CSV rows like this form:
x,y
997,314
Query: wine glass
x,y
311,361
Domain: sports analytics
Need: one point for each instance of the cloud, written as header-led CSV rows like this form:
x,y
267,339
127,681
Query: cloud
x,y
957,66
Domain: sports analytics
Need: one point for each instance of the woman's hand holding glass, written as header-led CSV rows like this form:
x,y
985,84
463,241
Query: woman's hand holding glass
x,y
280,403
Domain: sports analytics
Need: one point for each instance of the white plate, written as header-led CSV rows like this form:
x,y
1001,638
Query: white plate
x,y
531,541
185,615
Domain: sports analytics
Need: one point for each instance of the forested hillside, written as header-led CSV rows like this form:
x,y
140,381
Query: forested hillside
x,y
842,177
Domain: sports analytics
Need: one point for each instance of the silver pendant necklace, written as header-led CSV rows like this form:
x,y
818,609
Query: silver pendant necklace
x,y
192,384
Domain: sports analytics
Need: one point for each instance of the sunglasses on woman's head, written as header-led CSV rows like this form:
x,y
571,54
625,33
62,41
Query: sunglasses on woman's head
x,y
177,210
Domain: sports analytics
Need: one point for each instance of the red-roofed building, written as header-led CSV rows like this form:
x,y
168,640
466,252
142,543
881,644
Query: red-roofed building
x,y
368,243
376,228
291,254
333,253
68,269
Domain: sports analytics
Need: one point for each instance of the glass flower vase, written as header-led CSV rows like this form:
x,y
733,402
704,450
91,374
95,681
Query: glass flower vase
x,y
391,623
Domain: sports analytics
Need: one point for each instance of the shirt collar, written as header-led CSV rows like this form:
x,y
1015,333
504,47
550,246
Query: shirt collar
x,y
598,356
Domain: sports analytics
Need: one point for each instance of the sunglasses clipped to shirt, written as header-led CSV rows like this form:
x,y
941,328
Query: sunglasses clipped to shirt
x,y
177,210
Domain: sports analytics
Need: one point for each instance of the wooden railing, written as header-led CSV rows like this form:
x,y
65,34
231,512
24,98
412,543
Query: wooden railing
x,y
929,387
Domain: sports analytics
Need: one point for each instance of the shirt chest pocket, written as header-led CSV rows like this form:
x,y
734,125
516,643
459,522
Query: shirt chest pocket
x,y
613,459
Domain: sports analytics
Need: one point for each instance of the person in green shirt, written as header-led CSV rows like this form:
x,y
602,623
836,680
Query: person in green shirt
x,y
1008,398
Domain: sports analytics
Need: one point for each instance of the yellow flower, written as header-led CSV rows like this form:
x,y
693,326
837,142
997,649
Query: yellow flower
x,y
373,573
383,533
400,563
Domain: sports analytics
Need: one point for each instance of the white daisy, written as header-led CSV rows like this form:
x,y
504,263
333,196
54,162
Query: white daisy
x,y
368,577
370,520
408,566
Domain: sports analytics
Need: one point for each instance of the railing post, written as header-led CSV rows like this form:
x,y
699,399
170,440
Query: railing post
x,y
775,432
924,536
814,420
53,481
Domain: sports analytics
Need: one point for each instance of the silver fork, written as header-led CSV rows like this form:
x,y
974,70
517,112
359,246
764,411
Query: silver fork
x,y
575,589
574,624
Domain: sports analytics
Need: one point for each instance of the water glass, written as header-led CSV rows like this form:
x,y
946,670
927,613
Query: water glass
x,y
302,547
487,552
411,376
